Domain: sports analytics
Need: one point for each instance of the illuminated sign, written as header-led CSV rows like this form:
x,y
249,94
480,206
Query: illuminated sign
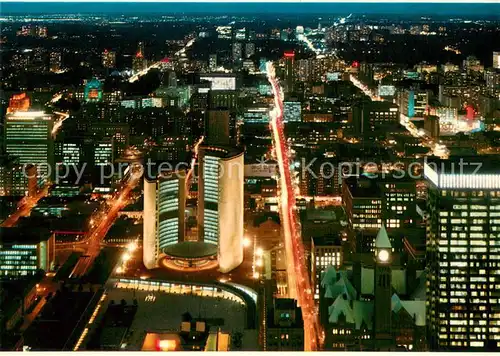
x,y
220,82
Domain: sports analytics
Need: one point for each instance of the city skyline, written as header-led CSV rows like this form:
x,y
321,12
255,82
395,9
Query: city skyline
x,y
249,177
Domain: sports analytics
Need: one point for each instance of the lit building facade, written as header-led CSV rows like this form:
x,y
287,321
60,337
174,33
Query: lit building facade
x,y
103,152
496,60
289,71
325,252
23,252
220,203
164,214
108,59
28,137
413,102
292,111
463,255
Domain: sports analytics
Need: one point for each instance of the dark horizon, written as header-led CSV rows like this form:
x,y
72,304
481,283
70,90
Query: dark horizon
x,y
207,7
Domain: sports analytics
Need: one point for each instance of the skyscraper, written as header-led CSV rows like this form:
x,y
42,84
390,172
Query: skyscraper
x,y
220,202
463,254
139,61
164,221
289,73
217,127
28,136
496,60
108,59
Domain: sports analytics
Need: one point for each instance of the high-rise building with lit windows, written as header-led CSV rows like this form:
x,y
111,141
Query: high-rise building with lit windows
x,y
28,137
289,71
496,60
164,214
220,202
25,251
326,251
55,61
108,59
463,254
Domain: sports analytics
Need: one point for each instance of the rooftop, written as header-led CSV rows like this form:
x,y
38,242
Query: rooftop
x,y
23,236
189,249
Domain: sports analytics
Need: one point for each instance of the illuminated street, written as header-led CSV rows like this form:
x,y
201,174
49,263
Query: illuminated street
x,y
313,333
105,221
25,206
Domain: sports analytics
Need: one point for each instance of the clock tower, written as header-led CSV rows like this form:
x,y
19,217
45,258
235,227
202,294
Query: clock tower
x,y
383,291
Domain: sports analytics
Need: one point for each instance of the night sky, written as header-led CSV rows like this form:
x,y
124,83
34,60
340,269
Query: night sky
x,y
472,10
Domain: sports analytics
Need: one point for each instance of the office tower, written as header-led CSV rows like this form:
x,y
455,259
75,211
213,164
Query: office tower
x,y
19,102
289,73
28,137
363,204
463,254
220,202
164,219
55,62
223,99
496,60
399,201
217,130
68,153
292,111
249,49
212,62
284,326
414,102
139,62
389,200
24,251
103,152
108,59
237,52
326,251
372,118
14,177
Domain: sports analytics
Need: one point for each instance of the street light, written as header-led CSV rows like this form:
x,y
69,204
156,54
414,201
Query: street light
x,y
259,252
132,246
246,242
126,257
